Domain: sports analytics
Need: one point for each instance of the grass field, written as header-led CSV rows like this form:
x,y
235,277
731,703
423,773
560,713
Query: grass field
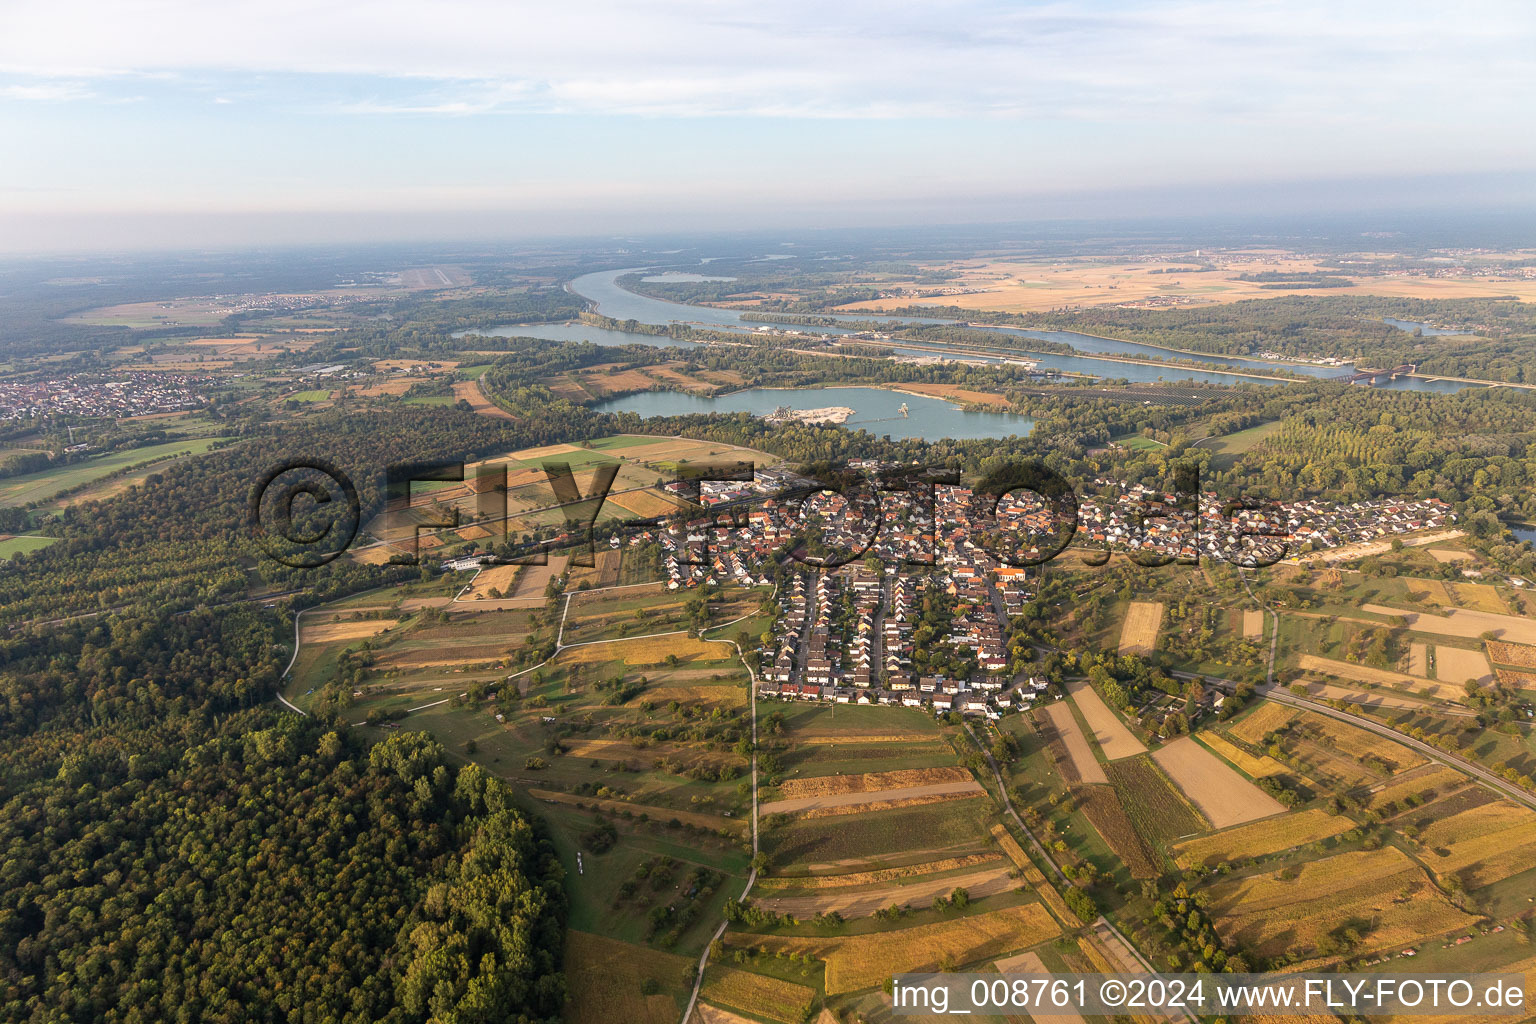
x,y
1382,894
319,395
23,543
952,827
1226,450
1225,797
1102,807
22,490
1261,838
605,976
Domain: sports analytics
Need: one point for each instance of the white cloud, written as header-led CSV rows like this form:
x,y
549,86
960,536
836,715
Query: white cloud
x,y
1290,60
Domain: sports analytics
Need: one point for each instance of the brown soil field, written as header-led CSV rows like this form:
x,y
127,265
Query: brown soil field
x,y
1381,676
474,533
425,365
1264,719
1261,838
1418,660
1139,633
1255,767
828,804
757,994
605,976
1519,655
863,961
984,882
1253,624
1482,844
469,391
1444,555
872,782
331,632
1374,698
534,578
1111,734
1030,963
709,821
1455,665
1273,915
1464,623
703,1013
1059,714
1223,796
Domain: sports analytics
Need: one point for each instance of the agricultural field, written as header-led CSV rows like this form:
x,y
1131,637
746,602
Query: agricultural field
x,y
1480,845
1304,910
1268,717
1463,623
1158,810
1457,665
880,837
1254,767
1223,796
1261,838
1076,756
1380,677
1112,736
1138,635
914,893
1421,784
758,994
44,484
1103,809
826,795
24,543
1518,655
606,980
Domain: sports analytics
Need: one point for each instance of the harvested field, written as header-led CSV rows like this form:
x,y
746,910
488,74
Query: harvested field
x,y
1357,743
1102,807
757,994
645,504
833,785
1456,665
1431,779
1432,591
1462,622
882,837
1379,676
1223,796
1477,596
1034,877
917,894
648,651
1079,755
1444,555
1254,767
1482,844
605,978
864,961
1371,698
469,391
535,454
332,632
501,578
703,1013
533,580
1138,635
1519,680
1263,720
1253,624
1382,888
1418,660
1519,655
1261,838
1158,810
858,803
1113,738
856,878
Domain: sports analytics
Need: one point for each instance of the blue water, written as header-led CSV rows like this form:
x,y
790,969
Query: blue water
x,y
1414,325
576,332
1524,533
875,410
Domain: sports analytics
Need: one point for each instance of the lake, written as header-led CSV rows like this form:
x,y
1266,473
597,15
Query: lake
x,y
876,410
1422,328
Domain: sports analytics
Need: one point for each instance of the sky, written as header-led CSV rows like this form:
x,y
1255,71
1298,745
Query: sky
x,y
169,122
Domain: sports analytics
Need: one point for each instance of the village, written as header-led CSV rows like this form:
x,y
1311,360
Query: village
x,y
91,395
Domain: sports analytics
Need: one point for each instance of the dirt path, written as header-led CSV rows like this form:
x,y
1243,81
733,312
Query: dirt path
x,y
969,787
989,882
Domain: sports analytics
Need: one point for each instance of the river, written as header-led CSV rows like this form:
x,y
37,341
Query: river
x,y
876,410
